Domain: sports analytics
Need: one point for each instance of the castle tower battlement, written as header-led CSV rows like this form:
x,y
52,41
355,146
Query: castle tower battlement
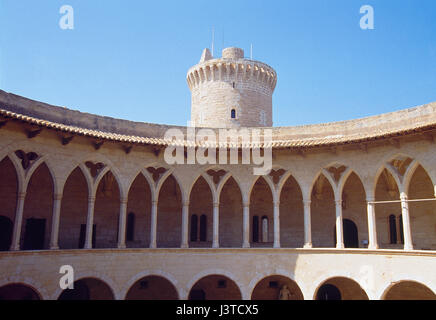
x,y
231,91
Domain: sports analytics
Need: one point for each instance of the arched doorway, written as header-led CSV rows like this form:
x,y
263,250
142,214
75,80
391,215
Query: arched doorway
x,y
152,288
106,212
322,213
230,215
351,237
291,215
272,287
18,291
38,210
409,290
200,213
261,215
387,190
169,214
340,288
215,287
6,227
139,214
74,210
88,289
354,212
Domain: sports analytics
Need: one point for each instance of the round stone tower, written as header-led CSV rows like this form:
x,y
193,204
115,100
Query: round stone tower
x,y
231,91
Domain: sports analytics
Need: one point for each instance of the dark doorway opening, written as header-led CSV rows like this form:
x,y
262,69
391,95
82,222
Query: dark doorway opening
x,y
34,234
328,292
6,226
351,237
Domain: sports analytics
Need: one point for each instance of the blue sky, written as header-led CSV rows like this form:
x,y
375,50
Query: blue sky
x,y
128,59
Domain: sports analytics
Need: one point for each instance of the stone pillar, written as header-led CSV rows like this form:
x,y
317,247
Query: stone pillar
x,y
407,232
216,225
18,221
185,225
122,224
153,224
339,225
372,230
54,237
277,224
246,225
307,225
89,223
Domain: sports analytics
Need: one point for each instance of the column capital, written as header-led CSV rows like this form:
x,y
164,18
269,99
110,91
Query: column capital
x,y
276,203
338,202
186,203
21,195
123,200
57,196
216,204
307,202
246,204
154,202
403,196
91,199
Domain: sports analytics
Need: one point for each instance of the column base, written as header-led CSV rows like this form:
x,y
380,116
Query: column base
x,y
408,248
121,246
184,246
340,246
215,245
276,245
246,245
14,249
153,246
307,246
373,247
54,247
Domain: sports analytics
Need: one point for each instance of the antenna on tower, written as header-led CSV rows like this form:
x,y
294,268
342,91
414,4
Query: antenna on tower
x,y
213,39
251,51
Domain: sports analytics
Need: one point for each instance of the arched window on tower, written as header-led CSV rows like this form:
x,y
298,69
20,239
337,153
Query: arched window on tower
x,y
264,229
194,227
203,227
233,114
392,229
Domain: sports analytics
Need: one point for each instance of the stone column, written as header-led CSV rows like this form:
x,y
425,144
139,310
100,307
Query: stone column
x,y
246,225
89,223
277,224
339,225
407,232
18,221
153,224
185,225
54,237
372,230
307,225
122,224
216,225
